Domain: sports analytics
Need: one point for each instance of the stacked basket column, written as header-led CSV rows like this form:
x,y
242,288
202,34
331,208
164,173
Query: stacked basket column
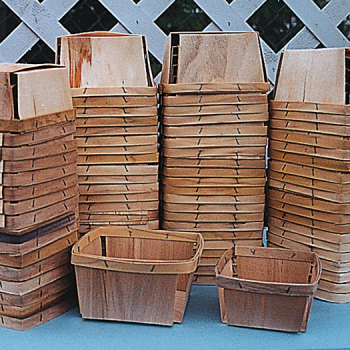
x,y
213,141
39,207
117,129
308,175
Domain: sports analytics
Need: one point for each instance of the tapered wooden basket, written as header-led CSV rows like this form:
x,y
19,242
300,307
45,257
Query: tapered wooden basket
x,y
135,275
267,288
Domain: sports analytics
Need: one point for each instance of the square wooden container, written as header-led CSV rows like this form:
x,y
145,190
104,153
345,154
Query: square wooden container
x,y
132,275
267,288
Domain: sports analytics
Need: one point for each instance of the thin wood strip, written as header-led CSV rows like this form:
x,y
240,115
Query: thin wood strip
x,y
113,141
118,150
204,142
27,220
305,126
117,111
117,189
33,124
119,207
326,236
31,205
64,283
20,193
215,191
310,172
118,179
213,208
312,117
213,152
26,165
79,258
314,193
215,163
200,110
310,161
310,107
48,149
114,91
49,133
41,317
296,219
215,130
118,159
203,173
309,202
119,198
21,261
213,119
310,241
212,217
311,150
114,101
310,139
309,183
213,99
124,170
206,199
117,130
212,182
292,244
209,226
217,88
37,242
103,121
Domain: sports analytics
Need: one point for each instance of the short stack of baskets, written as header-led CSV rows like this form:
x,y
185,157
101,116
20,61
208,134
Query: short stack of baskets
x,y
309,168
39,189
117,128
213,138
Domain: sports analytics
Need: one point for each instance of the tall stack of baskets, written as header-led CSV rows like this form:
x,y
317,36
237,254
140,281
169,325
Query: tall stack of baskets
x,y
39,191
117,128
213,137
309,167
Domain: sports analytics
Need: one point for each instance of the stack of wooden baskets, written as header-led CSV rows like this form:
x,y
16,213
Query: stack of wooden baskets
x,y
213,139
117,128
39,189
309,169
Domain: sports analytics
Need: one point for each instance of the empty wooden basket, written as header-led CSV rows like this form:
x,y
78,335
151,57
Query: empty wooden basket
x,y
135,275
267,288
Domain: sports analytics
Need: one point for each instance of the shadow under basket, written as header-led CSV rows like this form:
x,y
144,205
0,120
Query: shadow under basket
x,y
267,288
134,275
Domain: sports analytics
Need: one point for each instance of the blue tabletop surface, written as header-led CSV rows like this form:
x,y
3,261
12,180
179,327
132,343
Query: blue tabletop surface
x,y
328,328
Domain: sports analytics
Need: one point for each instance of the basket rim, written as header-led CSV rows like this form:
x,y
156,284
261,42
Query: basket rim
x,y
290,288
137,265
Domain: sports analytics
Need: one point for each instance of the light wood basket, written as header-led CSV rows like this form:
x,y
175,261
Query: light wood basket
x,y
267,288
132,275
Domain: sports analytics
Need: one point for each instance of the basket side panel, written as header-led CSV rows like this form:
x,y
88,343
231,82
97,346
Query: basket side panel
x,y
220,57
148,249
273,270
256,310
129,297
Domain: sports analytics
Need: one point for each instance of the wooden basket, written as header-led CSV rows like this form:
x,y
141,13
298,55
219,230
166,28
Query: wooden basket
x,y
267,288
134,275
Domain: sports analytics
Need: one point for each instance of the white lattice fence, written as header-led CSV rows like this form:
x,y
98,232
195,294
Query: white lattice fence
x,y
41,20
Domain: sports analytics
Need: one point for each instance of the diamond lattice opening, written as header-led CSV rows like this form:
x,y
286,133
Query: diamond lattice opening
x,y
156,66
39,53
8,21
276,23
321,3
183,15
87,16
344,27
